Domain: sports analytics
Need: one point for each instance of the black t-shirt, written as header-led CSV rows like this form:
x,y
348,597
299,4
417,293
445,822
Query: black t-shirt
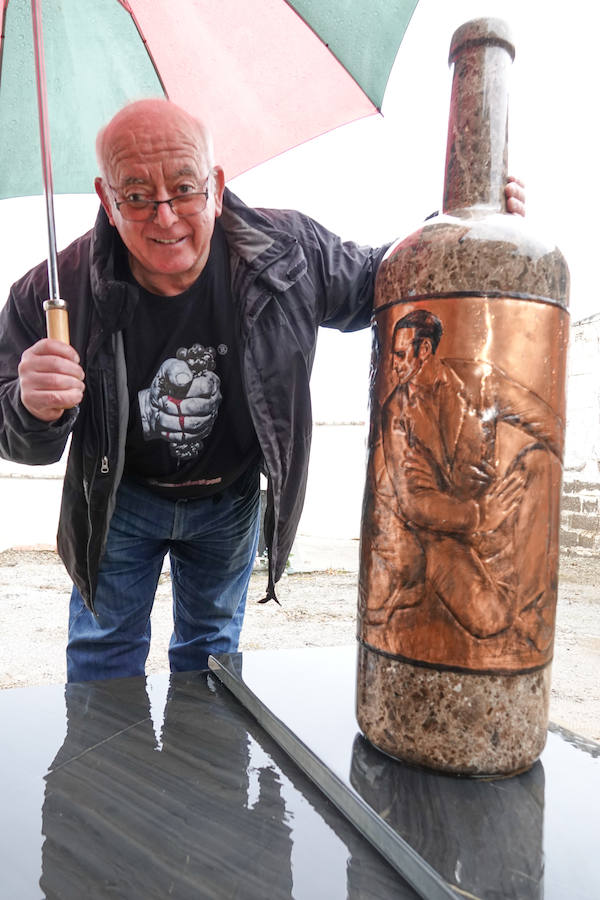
x,y
190,433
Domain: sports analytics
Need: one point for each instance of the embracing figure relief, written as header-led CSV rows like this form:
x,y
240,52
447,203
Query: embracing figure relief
x,y
459,542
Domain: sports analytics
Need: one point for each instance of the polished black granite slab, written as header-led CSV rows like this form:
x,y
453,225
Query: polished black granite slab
x,y
166,788
533,836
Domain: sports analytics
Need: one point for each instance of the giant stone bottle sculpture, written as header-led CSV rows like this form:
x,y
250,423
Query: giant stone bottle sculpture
x,y
459,541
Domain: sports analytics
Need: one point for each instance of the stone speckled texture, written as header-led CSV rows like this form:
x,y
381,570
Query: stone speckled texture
x,y
492,254
463,723
478,125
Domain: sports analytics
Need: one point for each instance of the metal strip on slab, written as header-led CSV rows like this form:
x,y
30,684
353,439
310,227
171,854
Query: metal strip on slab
x,y
398,853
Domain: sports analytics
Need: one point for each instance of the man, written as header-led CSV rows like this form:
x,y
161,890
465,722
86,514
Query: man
x,y
466,532
193,322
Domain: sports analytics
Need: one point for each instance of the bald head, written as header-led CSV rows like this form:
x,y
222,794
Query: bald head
x,y
134,122
155,154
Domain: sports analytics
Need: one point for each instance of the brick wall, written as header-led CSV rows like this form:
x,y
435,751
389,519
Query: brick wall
x,y
580,517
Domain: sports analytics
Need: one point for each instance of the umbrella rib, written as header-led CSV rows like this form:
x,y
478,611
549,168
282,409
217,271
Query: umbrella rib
x,y
335,56
127,7
40,68
2,33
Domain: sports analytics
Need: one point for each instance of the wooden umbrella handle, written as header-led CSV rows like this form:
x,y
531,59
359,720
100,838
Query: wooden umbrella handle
x,y
57,320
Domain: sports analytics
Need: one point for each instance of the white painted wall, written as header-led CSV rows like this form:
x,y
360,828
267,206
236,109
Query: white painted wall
x,y
582,450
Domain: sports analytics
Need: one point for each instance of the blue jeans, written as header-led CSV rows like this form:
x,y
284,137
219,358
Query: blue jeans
x,y
212,546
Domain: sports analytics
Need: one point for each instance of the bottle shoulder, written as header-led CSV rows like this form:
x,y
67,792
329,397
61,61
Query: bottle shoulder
x,y
473,252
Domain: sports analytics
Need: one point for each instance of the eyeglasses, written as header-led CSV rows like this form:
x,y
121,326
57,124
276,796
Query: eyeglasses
x,y
183,205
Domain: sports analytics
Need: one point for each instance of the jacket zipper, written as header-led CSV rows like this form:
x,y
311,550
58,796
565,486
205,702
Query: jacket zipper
x,y
104,450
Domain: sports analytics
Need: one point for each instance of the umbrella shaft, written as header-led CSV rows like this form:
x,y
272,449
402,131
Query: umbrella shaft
x,y
40,68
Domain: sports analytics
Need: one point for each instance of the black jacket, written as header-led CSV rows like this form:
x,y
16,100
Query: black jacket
x,y
288,274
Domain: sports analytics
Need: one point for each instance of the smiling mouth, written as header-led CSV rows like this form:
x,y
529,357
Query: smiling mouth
x,y
168,241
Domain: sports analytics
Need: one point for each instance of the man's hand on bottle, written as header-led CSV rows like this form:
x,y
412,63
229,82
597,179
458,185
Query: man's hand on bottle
x,y
515,196
51,379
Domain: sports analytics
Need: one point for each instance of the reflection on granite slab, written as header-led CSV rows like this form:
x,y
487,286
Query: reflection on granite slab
x,y
529,837
207,807
485,837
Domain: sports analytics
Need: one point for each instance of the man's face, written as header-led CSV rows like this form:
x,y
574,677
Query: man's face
x,y
406,362
157,156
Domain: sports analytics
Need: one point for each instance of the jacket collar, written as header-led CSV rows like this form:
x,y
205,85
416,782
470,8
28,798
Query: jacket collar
x,y
259,249
114,298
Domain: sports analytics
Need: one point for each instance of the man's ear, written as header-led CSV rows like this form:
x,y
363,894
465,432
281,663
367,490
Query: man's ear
x,y
425,349
104,199
218,188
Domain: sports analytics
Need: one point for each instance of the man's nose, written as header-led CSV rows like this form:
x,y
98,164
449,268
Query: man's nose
x,y
164,215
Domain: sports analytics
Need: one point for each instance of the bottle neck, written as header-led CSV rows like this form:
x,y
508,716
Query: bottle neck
x,y
477,149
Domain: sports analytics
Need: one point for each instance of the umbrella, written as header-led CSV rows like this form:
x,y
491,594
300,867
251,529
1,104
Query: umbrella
x,y
264,75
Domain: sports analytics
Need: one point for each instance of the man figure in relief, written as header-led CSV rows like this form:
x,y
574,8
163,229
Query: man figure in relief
x,y
460,528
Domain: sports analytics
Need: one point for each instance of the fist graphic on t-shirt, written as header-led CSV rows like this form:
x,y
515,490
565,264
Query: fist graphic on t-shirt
x,y
182,403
